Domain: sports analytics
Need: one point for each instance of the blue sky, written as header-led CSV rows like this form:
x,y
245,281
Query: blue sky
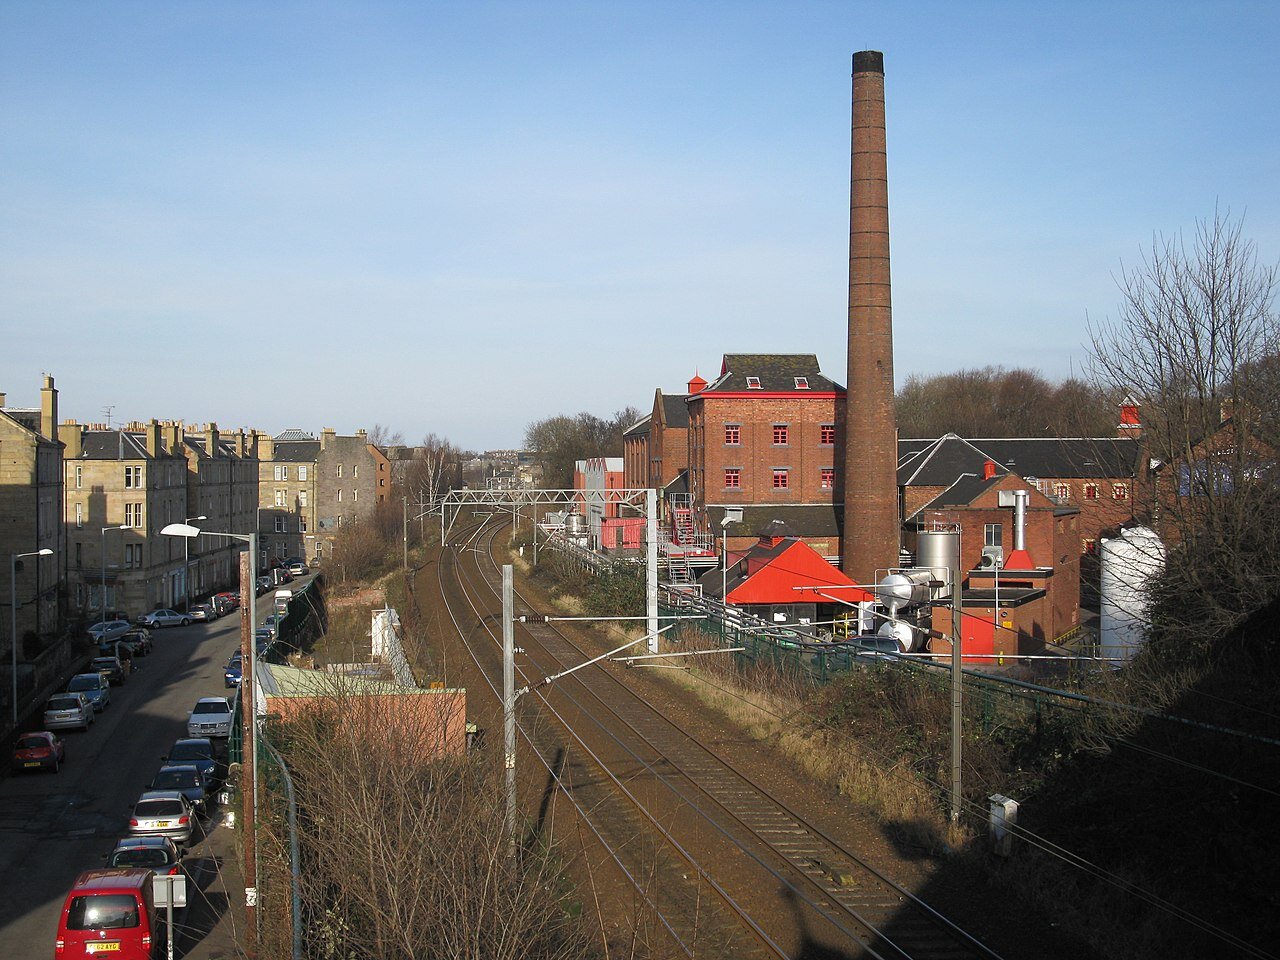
x,y
459,217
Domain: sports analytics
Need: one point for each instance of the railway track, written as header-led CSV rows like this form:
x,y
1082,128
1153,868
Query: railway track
x,y
846,903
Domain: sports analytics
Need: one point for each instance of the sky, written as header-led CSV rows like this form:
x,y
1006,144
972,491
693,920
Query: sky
x,y
459,217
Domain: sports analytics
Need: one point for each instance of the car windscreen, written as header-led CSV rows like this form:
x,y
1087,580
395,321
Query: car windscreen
x,y
211,708
78,684
140,857
151,809
103,663
63,703
189,752
104,911
31,743
176,780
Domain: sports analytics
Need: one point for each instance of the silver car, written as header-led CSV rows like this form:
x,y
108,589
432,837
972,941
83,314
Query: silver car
x,y
210,717
109,630
164,618
68,711
163,813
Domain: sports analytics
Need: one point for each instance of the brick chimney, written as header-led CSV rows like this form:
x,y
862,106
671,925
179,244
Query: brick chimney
x,y
211,439
327,438
154,448
240,445
264,445
870,536
48,409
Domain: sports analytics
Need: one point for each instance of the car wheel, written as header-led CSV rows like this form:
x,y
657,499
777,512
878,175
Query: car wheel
x,y
55,764
185,622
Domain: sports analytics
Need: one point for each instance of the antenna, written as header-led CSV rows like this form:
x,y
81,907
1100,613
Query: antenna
x,y
106,412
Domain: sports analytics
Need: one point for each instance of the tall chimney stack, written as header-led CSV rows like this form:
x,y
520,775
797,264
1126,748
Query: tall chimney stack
x,y
870,536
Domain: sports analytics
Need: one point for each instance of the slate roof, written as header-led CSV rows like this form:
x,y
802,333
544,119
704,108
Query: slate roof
x,y
963,491
115,445
299,451
641,427
808,520
675,410
25,416
939,462
293,433
777,373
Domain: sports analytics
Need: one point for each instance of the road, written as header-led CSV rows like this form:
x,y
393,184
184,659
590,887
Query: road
x,y
52,826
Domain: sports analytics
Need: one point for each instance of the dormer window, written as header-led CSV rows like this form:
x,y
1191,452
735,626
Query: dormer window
x,y
753,383
802,383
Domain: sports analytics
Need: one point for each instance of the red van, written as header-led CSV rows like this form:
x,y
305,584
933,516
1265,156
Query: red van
x,y
109,913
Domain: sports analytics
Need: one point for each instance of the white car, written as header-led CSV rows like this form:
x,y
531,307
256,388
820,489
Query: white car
x,y
164,618
211,717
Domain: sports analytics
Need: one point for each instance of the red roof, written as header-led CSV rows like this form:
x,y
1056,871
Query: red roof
x,y
787,566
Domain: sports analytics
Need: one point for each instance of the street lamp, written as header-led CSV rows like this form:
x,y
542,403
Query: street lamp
x,y
13,615
186,568
122,526
248,692
731,515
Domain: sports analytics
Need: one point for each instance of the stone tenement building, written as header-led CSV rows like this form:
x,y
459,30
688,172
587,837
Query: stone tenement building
x,y
31,515
308,488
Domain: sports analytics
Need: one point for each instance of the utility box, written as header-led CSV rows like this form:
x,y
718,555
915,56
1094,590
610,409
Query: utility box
x,y
1003,818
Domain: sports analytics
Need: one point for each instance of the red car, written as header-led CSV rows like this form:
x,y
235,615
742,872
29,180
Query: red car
x,y
42,750
229,597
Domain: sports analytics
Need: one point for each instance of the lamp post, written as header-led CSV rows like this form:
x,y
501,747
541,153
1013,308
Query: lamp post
x,y
121,526
13,617
731,515
248,693
186,568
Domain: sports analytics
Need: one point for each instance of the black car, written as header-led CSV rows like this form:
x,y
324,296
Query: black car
x,y
187,779
197,751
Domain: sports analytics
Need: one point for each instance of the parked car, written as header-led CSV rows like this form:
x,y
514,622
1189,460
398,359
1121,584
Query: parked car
x,y
162,813
233,673
271,622
38,751
298,568
230,597
202,612
187,779
263,637
94,686
164,618
199,752
68,711
262,585
112,913
109,630
222,604
155,853
110,667
211,717
140,639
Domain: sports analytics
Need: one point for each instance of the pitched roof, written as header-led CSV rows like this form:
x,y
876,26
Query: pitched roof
x,y
640,428
675,410
301,451
114,445
939,462
777,373
293,433
24,416
963,491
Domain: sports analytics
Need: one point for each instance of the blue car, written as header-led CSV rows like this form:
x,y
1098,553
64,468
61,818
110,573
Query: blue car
x,y
234,672
95,688
197,751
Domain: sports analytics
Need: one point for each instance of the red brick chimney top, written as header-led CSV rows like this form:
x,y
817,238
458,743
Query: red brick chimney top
x,y
697,385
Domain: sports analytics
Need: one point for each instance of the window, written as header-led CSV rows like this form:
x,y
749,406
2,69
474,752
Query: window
x,y
339,471
302,472
1120,491
733,478
802,383
302,524
280,525
781,478
1091,491
828,478
355,494
993,534
282,472
732,434
302,498
827,434
355,471
1090,545
753,383
79,476
133,478
280,497
382,482
339,519
1062,491
79,554
339,496
79,514
779,434
133,555
133,514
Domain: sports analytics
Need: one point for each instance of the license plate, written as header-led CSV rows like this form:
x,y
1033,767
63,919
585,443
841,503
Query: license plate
x,y
162,823
110,946
32,763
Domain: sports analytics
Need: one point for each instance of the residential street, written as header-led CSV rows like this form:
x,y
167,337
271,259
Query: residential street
x,y
52,826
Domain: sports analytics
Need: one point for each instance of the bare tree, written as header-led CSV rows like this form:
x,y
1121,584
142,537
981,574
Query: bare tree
x,y
560,440
434,470
382,436
1195,343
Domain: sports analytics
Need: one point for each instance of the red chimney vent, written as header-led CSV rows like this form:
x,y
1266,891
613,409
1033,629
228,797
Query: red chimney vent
x,y
988,470
697,385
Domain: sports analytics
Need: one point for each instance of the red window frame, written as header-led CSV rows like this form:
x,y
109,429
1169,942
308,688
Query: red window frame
x,y
733,434
1119,491
1091,491
781,478
733,478
827,478
827,434
780,434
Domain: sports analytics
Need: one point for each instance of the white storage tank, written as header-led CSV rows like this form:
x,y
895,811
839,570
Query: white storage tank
x,y
1129,563
939,551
